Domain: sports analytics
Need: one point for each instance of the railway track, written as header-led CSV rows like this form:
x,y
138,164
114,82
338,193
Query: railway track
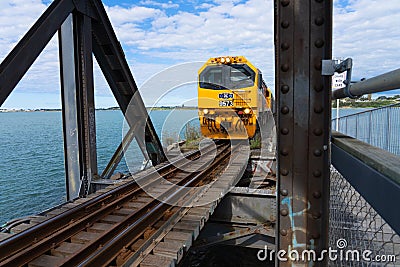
x,y
115,228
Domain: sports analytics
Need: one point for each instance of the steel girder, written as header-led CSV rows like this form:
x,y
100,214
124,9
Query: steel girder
x,y
84,29
303,32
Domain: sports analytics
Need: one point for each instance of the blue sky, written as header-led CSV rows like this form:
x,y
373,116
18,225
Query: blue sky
x,y
160,34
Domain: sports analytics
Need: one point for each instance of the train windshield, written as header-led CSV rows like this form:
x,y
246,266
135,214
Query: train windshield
x,y
233,76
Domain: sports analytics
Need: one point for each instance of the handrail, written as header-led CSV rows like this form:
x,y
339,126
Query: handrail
x,y
384,82
378,127
366,111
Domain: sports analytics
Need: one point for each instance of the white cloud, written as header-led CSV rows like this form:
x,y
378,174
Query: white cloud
x,y
221,28
167,5
16,16
134,14
204,6
155,35
369,32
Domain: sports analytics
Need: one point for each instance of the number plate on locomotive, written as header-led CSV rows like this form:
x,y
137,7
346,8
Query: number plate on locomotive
x,y
226,103
225,95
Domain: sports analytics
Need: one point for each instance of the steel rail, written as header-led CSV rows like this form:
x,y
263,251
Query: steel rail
x,y
133,256
105,252
95,214
36,239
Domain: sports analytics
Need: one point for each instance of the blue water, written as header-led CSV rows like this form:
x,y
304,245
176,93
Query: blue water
x,y
347,111
31,163
32,177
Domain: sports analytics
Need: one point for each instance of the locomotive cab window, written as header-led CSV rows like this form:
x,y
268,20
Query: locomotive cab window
x,y
265,90
260,81
233,76
211,78
241,76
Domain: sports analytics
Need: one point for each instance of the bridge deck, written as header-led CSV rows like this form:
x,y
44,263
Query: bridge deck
x,y
163,240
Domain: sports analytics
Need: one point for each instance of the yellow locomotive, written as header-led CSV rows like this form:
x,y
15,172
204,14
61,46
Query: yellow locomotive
x,y
232,98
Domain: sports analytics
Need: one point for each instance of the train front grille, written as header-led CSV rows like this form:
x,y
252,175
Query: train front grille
x,y
241,99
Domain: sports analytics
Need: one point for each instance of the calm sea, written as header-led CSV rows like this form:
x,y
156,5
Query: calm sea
x,y
347,111
32,159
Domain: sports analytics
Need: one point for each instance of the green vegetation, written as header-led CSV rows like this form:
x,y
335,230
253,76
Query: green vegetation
x,y
192,136
168,138
172,108
367,102
110,108
191,133
255,142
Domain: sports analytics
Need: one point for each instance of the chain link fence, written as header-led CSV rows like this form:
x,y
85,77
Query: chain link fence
x,y
356,226
378,127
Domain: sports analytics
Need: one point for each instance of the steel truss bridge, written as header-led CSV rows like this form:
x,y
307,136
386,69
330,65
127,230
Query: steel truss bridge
x,y
330,186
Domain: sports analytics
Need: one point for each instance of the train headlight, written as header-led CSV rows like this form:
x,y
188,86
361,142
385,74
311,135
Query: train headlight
x,y
247,111
205,111
228,60
222,60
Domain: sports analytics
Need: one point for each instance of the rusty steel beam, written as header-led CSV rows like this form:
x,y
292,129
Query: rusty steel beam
x,y
78,107
112,61
88,31
86,119
118,154
303,31
69,109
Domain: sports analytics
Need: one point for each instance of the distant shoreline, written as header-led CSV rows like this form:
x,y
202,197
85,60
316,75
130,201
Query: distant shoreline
x,y
372,104
348,103
365,102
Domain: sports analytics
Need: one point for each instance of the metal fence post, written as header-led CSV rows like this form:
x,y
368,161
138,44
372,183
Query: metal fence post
x,y
357,127
337,114
369,127
304,38
388,130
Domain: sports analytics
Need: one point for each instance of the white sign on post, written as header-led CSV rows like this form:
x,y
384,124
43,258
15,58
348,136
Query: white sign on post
x,y
338,80
337,83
